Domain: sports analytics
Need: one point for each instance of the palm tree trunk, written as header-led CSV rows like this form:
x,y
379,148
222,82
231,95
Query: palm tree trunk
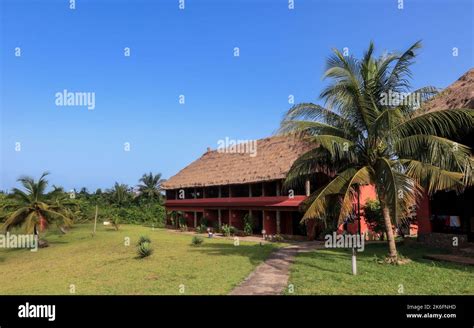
x,y
392,248
42,223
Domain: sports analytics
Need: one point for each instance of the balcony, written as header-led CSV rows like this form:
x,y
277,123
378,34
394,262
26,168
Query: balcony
x,y
277,202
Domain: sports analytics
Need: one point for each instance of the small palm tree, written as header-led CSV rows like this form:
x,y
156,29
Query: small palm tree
x,y
150,187
33,208
364,139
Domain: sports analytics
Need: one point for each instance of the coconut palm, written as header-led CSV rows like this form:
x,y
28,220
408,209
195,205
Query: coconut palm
x,y
372,131
32,208
120,194
150,187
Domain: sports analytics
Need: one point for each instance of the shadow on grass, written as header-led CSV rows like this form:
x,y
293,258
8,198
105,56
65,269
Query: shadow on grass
x,y
378,251
255,253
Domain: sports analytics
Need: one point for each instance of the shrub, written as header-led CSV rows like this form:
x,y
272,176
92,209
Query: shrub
x,y
278,238
201,229
143,239
197,240
115,221
144,249
203,222
227,230
374,217
248,224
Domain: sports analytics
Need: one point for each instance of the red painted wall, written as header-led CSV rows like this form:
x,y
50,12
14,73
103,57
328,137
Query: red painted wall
x,y
366,193
423,214
269,223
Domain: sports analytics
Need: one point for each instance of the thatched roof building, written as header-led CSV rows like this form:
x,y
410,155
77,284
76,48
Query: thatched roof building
x,y
460,94
273,159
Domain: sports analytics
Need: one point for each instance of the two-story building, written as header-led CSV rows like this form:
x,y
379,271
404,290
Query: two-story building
x,y
224,185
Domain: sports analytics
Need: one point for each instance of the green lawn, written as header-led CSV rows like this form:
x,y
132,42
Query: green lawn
x,y
328,272
104,265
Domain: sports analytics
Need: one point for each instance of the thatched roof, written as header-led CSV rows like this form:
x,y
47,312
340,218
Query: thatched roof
x,y
460,94
272,161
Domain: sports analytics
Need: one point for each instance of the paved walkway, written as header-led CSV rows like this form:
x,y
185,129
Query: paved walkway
x,y
271,277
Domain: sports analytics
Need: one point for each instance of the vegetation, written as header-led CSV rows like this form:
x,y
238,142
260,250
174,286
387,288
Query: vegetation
x,y
197,240
227,230
33,209
374,131
150,187
201,228
328,272
374,217
103,265
144,249
143,239
248,224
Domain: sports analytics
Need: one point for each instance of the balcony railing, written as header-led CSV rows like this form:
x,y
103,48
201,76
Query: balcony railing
x,y
228,202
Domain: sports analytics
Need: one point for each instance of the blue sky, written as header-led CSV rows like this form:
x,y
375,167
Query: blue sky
x,y
187,52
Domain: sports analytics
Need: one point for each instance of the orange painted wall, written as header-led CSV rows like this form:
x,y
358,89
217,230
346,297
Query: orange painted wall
x,y
366,192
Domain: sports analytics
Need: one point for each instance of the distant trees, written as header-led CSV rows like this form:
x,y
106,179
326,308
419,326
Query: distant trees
x,y
34,208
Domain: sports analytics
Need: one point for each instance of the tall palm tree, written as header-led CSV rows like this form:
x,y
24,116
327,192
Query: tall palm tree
x,y
120,194
364,139
150,187
32,208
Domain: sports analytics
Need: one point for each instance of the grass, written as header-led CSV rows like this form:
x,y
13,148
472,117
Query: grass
x,y
328,272
105,265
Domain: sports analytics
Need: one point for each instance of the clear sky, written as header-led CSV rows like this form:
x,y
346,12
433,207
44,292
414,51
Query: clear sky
x,y
187,52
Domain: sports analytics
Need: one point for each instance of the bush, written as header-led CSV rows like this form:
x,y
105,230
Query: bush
x,y
374,216
144,249
278,238
183,225
132,214
228,230
197,240
248,224
143,239
201,229
115,220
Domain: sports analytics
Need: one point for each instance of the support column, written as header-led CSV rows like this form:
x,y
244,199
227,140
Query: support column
x,y
195,219
263,221
219,217
230,217
220,192
278,222
263,189
278,188
195,193
308,188
250,190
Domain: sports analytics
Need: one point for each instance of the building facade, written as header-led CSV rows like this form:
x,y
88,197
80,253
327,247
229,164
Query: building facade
x,y
225,186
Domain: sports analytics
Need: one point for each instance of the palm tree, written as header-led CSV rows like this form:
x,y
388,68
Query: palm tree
x,y
120,194
150,187
363,139
33,207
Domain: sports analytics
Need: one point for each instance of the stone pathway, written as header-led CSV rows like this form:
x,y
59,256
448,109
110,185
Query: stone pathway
x,y
271,277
